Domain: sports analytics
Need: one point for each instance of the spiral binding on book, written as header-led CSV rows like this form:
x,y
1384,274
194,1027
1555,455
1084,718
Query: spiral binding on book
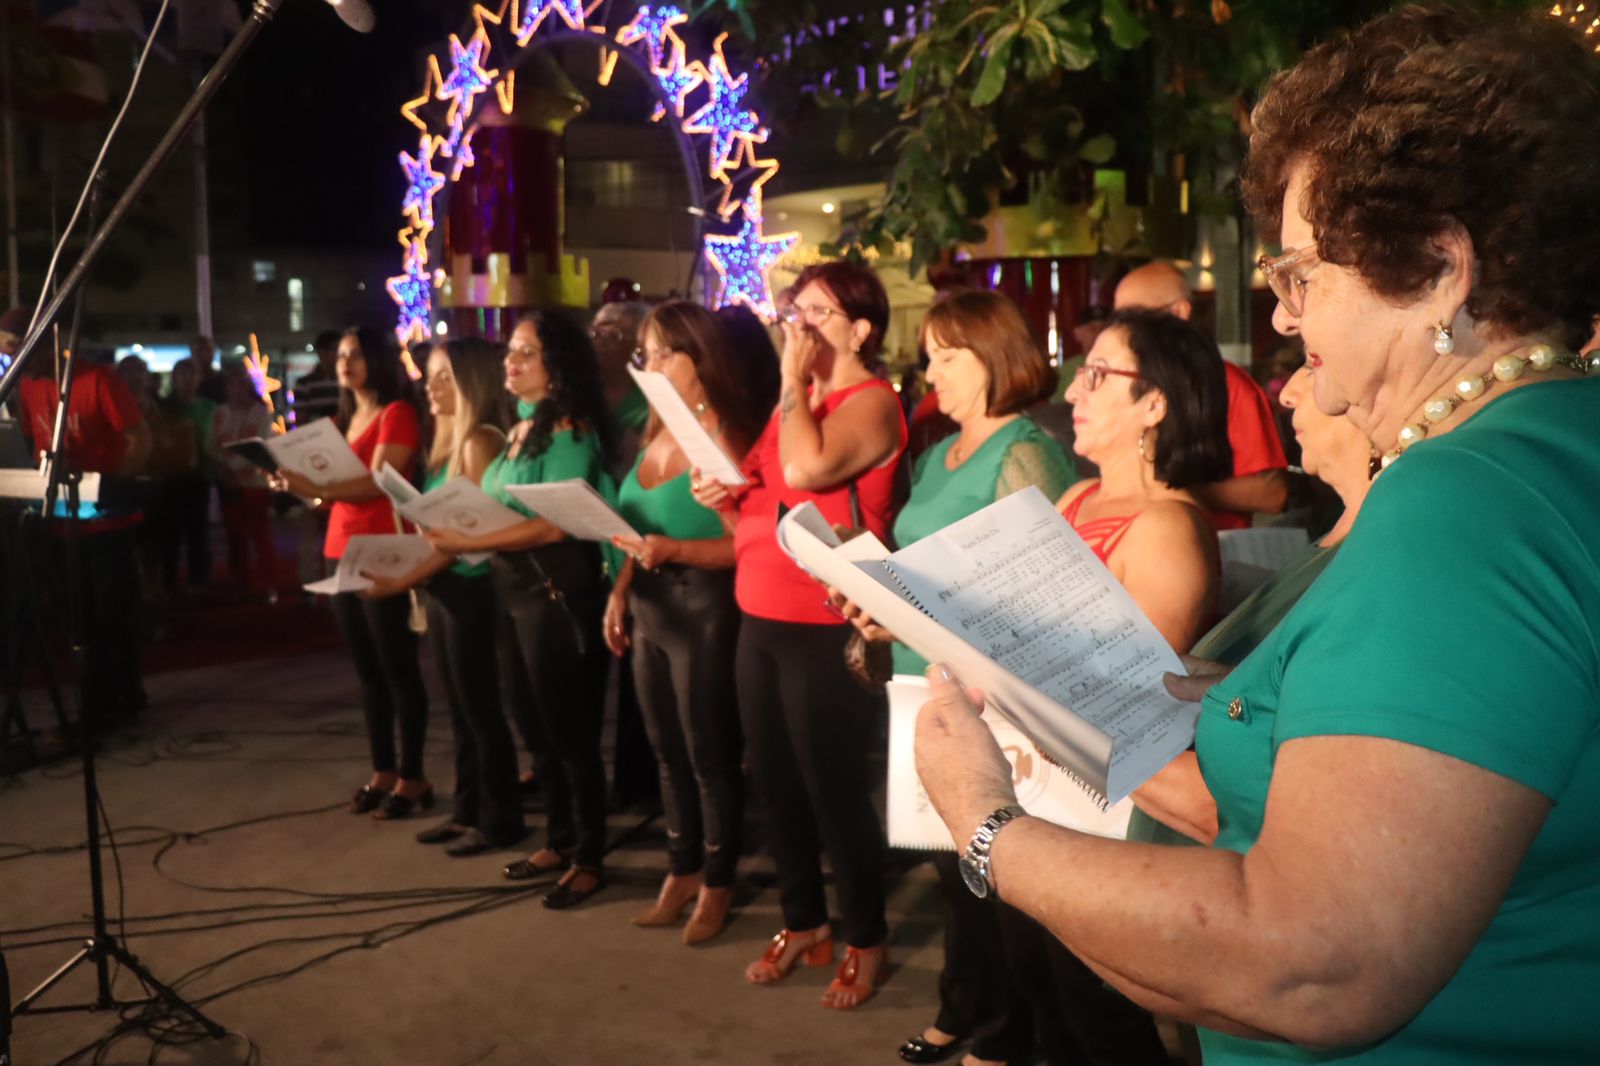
x,y
905,592
1099,798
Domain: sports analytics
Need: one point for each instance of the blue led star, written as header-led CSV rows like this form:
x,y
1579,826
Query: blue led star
x,y
742,260
678,79
422,183
413,292
533,15
724,116
462,154
653,25
467,77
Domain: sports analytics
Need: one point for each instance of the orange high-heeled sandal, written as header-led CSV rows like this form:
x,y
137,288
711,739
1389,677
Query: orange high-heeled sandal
x,y
770,967
845,991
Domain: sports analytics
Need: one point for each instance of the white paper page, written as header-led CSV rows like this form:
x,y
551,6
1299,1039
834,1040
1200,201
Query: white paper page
x,y
462,507
1043,790
391,555
701,448
576,507
1251,556
1018,583
317,452
394,485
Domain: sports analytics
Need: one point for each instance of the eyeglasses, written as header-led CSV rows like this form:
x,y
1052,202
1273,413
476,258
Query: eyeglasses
x,y
605,333
1094,375
812,315
642,357
1289,288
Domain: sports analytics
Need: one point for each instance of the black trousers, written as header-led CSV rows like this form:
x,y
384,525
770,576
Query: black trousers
x,y
685,629
811,731
978,995
460,621
549,603
186,505
385,653
1081,1021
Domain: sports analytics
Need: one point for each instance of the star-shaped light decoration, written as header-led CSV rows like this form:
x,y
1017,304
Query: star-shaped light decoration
x,y
724,116
462,156
467,77
748,171
677,80
742,261
431,81
653,26
256,365
422,184
413,292
536,11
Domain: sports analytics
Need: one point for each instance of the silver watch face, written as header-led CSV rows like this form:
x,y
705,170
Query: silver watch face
x,y
973,876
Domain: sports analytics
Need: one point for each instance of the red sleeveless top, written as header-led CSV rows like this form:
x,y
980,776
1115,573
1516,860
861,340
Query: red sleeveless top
x,y
1101,534
767,583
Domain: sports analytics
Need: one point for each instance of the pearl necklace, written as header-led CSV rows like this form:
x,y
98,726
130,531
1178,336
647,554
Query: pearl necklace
x,y
1469,387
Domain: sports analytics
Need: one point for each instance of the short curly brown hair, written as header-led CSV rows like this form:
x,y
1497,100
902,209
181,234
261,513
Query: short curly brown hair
x,y
1431,117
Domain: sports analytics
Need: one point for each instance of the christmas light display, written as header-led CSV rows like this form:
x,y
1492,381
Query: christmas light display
x,y
257,366
721,121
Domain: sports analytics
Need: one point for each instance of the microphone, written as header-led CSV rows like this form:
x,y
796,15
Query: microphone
x,y
357,14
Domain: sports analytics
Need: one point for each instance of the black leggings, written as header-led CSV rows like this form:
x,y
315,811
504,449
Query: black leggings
x,y
460,617
385,652
812,732
685,624
552,670
978,996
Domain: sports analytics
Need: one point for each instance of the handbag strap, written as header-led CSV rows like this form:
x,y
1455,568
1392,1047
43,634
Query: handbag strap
x,y
856,521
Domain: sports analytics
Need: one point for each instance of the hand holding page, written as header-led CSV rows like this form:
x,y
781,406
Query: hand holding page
x,y
461,507
576,508
703,451
318,452
391,555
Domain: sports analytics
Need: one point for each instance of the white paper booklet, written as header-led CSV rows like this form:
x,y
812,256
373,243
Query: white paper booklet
x,y
458,505
576,507
1020,606
1041,788
701,448
392,555
318,452
1251,556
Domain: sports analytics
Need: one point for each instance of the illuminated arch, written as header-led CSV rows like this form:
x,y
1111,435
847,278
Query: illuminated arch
x,y
703,97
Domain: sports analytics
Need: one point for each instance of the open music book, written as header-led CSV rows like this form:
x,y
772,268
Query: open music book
x,y
1020,607
458,505
1043,791
701,448
317,451
392,555
576,507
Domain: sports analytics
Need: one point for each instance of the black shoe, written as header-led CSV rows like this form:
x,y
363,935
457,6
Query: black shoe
x,y
367,799
396,806
919,1050
442,833
527,870
472,843
564,896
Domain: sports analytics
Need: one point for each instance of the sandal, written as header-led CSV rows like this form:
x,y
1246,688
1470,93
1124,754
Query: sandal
x,y
771,967
529,868
396,806
846,991
564,896
366,800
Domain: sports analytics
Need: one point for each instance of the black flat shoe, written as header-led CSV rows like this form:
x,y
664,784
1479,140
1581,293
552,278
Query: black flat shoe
x,y
396,806
442,833
919,1050
471,843
564,896
527,869
367,799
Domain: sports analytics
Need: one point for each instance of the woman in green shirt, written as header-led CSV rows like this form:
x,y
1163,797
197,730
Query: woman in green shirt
x,y
673,602
550,592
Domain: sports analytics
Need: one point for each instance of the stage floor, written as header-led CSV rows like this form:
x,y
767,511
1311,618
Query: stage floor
x,y
325,938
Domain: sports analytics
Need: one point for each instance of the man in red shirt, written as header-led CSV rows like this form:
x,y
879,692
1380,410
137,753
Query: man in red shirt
x,y
1259,483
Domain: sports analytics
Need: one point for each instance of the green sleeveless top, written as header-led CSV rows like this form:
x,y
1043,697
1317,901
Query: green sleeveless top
x,y
568,456
1016,455
669,509
434,480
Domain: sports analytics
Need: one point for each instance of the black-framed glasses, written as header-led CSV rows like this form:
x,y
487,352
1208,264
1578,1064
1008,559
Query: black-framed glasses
x,y
1286,284
1094,375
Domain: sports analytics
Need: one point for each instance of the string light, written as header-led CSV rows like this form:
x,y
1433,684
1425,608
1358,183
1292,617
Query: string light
x,y
724,116
533,15
468,77
422,183
653,26
677,80
742,261
256,365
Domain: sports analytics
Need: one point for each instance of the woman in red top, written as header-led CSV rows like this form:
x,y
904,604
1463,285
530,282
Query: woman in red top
x,y
381,426
836,439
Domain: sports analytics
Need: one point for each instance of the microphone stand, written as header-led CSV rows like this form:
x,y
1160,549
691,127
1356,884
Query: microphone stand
x,y
101,948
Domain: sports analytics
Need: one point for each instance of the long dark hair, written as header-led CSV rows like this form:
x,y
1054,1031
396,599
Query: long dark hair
x,y
386,376
1179,359
575,392
730,376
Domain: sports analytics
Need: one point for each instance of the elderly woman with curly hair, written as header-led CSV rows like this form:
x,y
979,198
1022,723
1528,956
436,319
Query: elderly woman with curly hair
x,y
1407,864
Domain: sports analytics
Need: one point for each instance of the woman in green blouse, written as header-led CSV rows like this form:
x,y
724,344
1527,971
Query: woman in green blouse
x,y
674,604
550,593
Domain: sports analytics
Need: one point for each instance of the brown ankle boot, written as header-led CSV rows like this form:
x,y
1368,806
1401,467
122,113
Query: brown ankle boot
x,y
710,915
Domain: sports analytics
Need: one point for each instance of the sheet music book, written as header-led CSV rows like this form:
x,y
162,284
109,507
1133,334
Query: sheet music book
x,y
392,555
1021,607
317,452
1043,790
576,507
701,448
457,505
1251,556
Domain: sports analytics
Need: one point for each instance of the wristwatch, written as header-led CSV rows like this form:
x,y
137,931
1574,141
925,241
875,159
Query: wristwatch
x,y
975,860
